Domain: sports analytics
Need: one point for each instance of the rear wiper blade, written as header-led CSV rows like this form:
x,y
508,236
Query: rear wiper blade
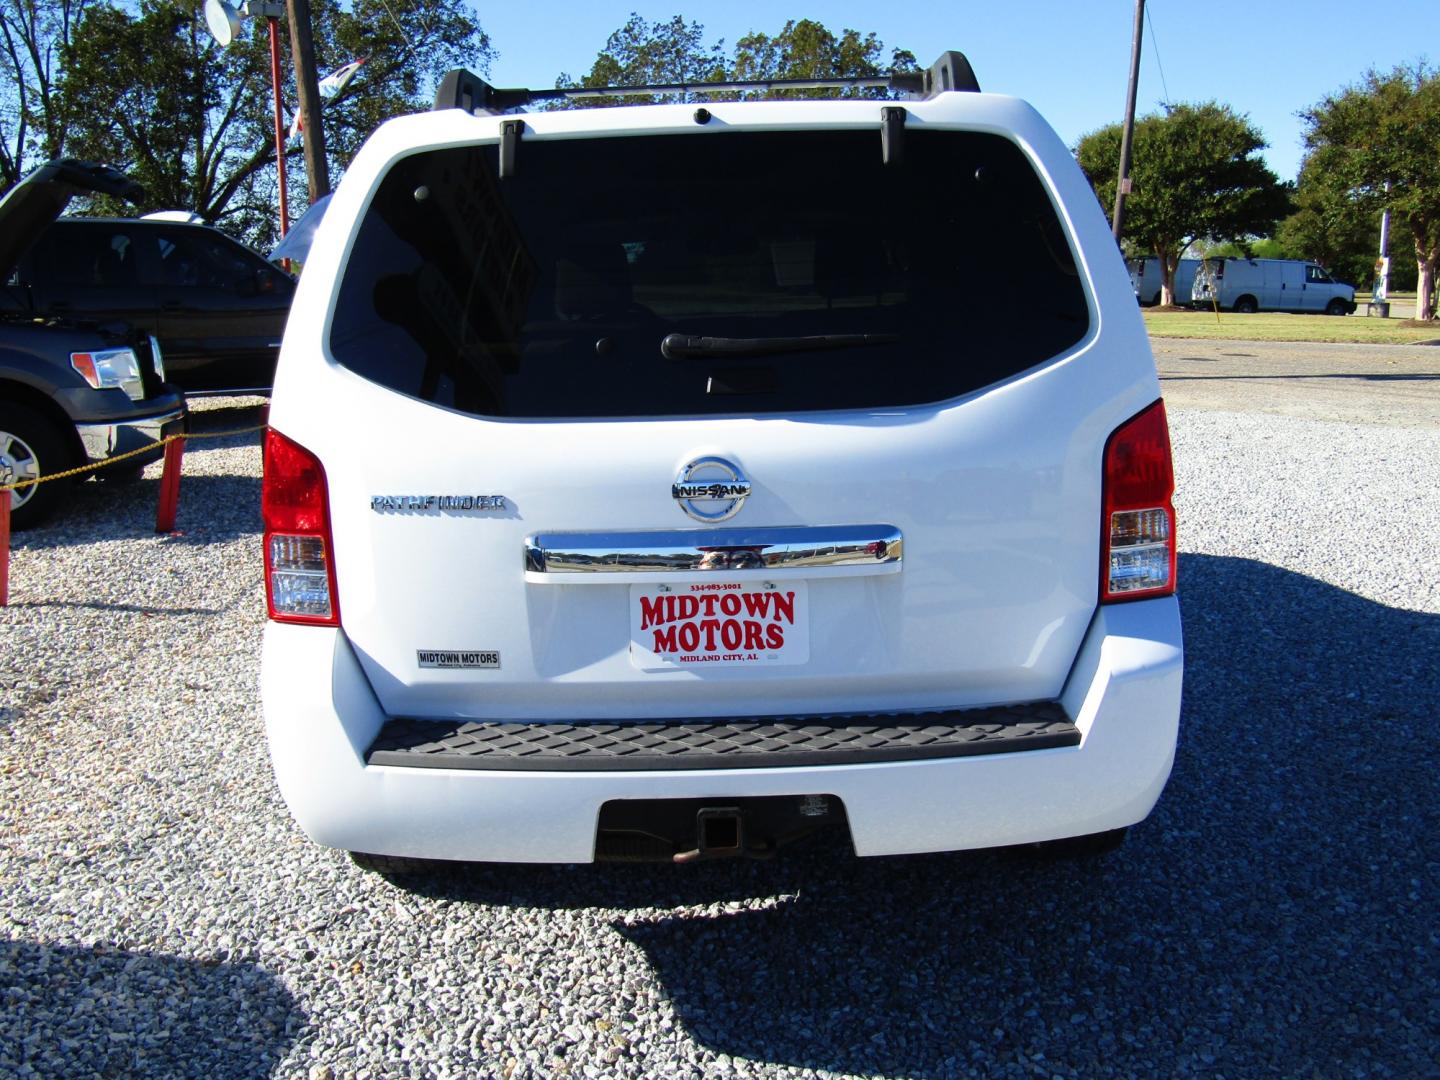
x,y
681,346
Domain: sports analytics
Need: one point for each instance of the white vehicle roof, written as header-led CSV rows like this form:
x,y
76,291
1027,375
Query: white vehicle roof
x,y
185,217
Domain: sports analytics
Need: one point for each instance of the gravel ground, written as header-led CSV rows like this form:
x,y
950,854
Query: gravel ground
x,y
160,915
1388,386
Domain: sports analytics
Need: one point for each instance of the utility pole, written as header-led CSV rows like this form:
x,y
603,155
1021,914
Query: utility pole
x,y
272,23
1381,294
307,84
1122,188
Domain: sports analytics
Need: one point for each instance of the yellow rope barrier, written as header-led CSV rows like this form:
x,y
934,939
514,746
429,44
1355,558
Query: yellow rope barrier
x,y
130,454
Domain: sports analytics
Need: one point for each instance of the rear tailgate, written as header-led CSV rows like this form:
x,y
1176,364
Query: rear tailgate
x,y
995,585
494,380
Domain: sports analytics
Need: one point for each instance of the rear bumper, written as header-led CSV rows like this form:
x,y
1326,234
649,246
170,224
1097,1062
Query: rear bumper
x,y
1123,695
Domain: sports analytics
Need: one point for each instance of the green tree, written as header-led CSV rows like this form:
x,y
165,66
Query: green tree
x,y
1264,248
145,92
34,35
1377,141
643,53
1332,227
807,50
408,45
1341,230
149,91
1197,174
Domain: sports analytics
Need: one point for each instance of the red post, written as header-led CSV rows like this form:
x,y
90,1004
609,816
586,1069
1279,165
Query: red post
x,y
169,486
4,548
279,121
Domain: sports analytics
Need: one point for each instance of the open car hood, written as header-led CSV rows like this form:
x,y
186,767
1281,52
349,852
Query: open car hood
x,y
296,244
41,197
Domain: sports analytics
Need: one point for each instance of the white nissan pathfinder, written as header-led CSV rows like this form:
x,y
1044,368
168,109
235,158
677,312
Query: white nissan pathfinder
x,y
673,481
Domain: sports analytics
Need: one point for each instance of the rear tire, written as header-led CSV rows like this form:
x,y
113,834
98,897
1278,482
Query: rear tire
x,y
1337,307
1246,305
31,446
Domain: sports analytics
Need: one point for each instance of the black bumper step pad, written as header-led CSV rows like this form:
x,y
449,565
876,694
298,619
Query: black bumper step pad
x,y
751,742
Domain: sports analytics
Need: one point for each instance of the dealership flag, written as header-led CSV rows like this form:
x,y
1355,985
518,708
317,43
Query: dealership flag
x,y
330,85
333,83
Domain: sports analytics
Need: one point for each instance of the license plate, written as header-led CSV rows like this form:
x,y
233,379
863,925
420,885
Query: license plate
x,y
719,624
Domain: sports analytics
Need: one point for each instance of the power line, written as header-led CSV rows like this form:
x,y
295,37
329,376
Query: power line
x,y
1155,46
404,36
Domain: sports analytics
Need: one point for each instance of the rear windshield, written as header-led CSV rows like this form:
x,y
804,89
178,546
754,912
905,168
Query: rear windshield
x,y
724,272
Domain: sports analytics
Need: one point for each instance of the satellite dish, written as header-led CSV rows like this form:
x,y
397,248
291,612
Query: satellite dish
x,y
223,21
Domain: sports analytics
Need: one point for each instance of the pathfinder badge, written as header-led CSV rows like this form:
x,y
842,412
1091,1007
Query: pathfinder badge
x,y
431,504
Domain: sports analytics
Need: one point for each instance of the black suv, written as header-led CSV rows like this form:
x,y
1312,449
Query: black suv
x,y
73,389
217,308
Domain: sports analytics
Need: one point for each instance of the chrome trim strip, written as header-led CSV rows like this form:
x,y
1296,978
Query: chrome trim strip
x,y
878,548
104,441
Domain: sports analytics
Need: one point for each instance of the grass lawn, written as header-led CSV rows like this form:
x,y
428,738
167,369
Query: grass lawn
x,y
1268,326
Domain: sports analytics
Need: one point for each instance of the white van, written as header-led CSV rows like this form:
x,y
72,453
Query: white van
x,y
1145,279
1250,285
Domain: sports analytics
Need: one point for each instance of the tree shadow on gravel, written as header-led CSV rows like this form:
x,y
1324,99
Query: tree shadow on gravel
x,y
67,1011
1270,917
1417,376
125,609
210,509
227,414
631,886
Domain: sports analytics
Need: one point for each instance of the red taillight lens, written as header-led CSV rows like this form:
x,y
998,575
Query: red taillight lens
x,y
1137,540
299,553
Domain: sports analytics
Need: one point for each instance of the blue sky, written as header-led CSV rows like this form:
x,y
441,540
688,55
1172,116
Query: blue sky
x,y
1070,58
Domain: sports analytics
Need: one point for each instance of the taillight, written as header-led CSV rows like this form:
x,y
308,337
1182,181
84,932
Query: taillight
x,y
1137,542
299,553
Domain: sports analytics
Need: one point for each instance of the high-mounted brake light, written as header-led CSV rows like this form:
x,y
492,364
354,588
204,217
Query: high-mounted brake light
x,y
299,551
1137,540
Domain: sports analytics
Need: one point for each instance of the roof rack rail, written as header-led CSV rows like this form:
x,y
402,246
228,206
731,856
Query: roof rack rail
x,y
462,89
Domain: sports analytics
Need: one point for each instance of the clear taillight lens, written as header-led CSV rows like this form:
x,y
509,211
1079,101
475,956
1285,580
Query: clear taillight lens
x,y
1137,557
299,576
299,560
111,369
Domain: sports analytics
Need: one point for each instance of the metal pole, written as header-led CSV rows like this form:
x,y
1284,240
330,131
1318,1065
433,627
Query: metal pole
x,y
1384,254
170,486
307,85
1122,187
274,25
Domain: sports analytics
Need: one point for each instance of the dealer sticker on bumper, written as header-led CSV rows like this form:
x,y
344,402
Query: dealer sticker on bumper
x,y
457,658
718,624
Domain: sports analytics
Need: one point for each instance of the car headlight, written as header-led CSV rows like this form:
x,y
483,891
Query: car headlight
x,y
109,369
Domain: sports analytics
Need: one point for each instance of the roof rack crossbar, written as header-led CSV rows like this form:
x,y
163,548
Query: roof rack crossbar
x,y
754,86
461,89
